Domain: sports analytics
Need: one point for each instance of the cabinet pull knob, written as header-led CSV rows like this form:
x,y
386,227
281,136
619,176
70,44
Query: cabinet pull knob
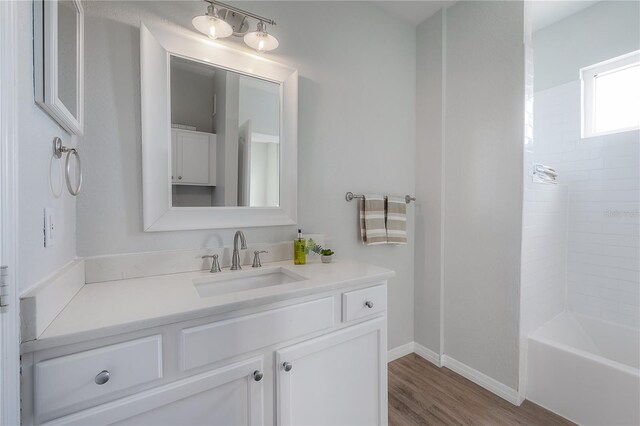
x,y
179,177
368,304
287,366
257,375
102,377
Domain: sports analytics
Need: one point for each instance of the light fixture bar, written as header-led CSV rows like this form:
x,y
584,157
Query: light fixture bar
x,y
244,12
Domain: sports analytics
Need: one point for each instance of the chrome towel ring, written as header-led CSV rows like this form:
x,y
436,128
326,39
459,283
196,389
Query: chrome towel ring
x,y
58,149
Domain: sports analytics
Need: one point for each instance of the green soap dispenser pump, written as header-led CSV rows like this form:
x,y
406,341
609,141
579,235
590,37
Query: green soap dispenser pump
x,y
299,250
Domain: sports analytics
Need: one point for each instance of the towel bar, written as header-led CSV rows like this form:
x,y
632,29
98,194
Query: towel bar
x,y
349,196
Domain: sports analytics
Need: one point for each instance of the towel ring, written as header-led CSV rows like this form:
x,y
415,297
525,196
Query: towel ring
x,y
58,149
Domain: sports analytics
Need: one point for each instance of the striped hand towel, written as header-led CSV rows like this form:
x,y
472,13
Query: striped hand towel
x,y
396,220
372,230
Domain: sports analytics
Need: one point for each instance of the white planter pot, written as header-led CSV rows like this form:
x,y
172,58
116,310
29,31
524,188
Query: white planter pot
x,y
326,259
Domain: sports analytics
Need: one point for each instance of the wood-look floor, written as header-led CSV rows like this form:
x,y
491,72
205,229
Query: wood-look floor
x,y
422,394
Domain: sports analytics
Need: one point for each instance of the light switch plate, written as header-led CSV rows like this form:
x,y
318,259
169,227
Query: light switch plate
x,y
49,226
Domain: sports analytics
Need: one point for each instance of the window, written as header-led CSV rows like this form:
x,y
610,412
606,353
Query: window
x,y
611,96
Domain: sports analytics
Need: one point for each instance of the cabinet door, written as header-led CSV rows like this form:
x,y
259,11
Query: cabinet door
x,y
230,395
337,379
193,158
174,156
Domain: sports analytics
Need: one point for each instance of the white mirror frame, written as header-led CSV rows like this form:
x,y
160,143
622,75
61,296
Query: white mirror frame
x,y
157,45
45,62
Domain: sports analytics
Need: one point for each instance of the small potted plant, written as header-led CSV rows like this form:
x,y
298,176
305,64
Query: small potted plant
x,y
326,255
314,248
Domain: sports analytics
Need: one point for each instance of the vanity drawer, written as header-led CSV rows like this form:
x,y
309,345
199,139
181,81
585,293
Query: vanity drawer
x,y
73,379
209,343
362,303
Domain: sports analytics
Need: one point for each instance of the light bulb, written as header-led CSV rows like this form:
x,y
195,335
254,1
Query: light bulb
x,y
211,25
260,40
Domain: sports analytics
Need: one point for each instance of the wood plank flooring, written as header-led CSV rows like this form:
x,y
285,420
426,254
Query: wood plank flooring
x,y
422,394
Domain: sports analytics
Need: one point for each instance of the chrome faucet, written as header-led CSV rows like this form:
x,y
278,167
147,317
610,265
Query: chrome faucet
x,y
215,265
235,260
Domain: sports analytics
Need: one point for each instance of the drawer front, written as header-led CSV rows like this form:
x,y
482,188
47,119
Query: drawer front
x,y
209,343
73,379
363,303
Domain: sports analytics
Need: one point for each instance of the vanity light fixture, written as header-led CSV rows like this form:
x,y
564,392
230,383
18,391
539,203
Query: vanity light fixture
x,y
260,39
211,24
226,20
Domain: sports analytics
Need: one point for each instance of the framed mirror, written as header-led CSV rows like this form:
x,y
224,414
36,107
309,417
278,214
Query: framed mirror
x,y
59,62
219,134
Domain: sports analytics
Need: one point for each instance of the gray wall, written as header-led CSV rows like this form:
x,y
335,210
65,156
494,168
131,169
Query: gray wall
x,y
429,168
36,131
192,99
484,127
351,138
603,31
478,184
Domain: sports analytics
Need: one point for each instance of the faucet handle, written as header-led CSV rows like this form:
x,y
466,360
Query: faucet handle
x,y
215,265
256,258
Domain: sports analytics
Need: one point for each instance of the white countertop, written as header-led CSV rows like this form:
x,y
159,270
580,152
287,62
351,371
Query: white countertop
x,y
114,307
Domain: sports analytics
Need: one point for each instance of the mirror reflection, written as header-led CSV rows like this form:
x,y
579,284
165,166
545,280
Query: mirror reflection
x,y
68,55
225,137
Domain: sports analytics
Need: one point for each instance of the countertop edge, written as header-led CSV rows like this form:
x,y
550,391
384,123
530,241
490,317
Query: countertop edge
x,y
99,333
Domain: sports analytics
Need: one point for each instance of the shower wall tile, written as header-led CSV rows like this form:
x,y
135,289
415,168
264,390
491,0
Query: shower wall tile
x,y
602,175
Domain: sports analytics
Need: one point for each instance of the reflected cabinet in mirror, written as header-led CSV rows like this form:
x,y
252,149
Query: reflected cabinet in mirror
x,y
225,137
219,134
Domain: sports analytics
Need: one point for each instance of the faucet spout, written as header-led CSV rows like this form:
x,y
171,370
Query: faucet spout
x,y
235,259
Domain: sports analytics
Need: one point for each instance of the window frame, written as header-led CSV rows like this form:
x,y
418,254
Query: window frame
x,y
588,77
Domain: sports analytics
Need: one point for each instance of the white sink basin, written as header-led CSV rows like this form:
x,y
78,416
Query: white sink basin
x,y
235,281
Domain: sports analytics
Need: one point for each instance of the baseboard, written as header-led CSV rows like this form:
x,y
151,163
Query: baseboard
x,y
400,351
427,354
481,379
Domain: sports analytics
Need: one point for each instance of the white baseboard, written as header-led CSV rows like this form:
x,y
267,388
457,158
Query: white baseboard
x,y
427,354
400,351
481,379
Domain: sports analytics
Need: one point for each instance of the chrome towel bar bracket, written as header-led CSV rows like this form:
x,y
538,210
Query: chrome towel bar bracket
x,y
349,196
58,150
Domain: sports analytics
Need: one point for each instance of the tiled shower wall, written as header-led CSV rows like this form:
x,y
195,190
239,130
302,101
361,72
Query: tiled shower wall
x,y
544,232
603,181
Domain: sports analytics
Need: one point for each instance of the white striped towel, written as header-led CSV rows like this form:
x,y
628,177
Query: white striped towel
x,y
396,222
372,218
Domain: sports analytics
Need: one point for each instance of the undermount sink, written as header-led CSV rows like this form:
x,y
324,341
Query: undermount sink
x,y
234,281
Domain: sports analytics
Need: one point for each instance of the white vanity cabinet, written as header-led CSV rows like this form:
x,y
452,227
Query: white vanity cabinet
x,y
339,378
317,359
193,157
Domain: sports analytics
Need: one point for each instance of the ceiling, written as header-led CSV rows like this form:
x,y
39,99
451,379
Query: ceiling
x,y
544,13
414,12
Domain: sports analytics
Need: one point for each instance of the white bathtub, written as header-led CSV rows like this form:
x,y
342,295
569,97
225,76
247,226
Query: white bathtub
x,y
586,370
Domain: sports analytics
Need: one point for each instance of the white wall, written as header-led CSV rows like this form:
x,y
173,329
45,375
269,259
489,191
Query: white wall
x,y
36,131
429,168
602,173
356,130
484,122
605,30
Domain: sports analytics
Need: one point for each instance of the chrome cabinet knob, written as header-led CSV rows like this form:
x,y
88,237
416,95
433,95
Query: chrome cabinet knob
x,y
368,304
179,177
257,375
102,377
287,366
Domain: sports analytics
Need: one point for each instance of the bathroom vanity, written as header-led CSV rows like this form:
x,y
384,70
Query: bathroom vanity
x,y
280,344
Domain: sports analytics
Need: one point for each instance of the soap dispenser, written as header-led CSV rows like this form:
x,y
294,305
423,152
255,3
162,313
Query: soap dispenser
x,y
299,250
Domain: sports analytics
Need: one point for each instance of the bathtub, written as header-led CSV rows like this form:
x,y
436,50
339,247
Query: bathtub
x,y
586,370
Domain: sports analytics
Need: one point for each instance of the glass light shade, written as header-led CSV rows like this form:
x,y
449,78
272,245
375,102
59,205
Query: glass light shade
x,y
212,26
261,41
